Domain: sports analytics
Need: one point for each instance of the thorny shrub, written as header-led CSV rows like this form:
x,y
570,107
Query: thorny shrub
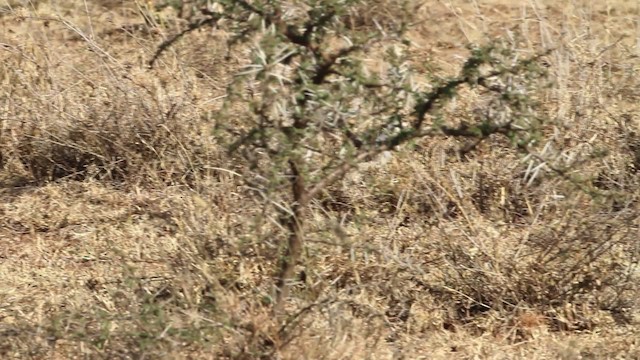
x,y
322,95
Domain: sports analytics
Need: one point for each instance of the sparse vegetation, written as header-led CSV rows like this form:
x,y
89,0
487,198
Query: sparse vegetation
x,y
319,179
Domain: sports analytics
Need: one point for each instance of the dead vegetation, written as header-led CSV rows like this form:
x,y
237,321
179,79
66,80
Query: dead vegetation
x,y
127,230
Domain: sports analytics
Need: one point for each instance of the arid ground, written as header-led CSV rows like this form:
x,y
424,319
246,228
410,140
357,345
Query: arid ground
x,y
127,230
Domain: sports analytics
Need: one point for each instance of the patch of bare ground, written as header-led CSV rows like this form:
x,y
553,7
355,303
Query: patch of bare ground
x,y
126,230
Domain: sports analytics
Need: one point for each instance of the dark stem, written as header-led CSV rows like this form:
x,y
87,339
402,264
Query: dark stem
x,y
295,242
191,27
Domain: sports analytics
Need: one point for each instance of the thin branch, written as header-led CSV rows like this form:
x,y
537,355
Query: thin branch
x,y
446,90
192,26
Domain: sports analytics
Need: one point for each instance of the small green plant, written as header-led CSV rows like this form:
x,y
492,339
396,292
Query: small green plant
x,y
318,96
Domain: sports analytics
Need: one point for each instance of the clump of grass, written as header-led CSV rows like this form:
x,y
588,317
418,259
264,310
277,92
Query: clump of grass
x,y
60,124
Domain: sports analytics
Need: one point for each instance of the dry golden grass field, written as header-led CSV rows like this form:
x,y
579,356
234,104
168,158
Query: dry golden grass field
x,y
128,231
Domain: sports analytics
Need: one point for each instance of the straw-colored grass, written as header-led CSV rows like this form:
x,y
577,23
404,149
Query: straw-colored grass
x,y
126,231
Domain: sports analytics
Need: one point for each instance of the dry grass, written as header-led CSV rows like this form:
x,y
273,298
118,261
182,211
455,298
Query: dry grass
x,y
127,232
